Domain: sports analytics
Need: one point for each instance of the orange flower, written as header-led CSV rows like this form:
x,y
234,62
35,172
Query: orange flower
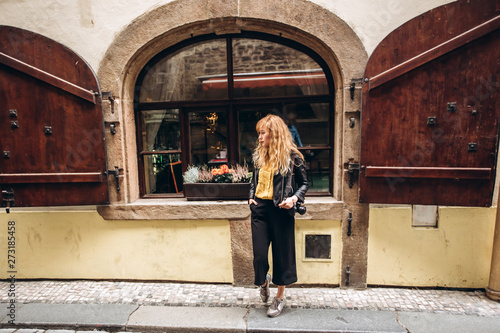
x,y
214,172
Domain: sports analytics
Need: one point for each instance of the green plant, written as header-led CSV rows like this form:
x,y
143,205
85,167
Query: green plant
x,y
191,175
222,174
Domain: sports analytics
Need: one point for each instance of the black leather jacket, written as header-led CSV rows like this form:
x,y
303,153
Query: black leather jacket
x,y
295,182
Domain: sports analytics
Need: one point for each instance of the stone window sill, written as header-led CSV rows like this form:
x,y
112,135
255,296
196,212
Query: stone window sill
x,y
318,208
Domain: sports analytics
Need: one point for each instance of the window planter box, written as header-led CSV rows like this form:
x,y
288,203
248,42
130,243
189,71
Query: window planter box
x,y
216,191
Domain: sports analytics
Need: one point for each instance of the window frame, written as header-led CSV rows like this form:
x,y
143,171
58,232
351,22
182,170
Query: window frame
x,y
231,103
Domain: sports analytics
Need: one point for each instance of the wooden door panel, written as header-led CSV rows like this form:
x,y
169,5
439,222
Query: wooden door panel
x,y
56,148
430,128
429,191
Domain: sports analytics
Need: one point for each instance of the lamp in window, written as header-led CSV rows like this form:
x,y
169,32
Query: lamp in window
x,y
212,122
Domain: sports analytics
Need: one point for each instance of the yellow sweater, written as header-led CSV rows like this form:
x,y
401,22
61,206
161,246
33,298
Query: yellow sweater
x,y
264,188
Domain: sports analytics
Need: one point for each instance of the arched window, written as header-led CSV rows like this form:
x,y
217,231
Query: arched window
x,y
198,103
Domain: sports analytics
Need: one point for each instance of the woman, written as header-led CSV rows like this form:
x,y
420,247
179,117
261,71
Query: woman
x,y
273,195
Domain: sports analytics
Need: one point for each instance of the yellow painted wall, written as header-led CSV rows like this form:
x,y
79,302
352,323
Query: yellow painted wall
x,y
81,245
456,254
314,271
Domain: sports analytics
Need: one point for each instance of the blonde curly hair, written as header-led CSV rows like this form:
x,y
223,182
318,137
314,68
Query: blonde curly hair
x,y
278,154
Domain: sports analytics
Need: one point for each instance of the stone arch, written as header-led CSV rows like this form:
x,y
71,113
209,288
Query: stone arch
x,y
152,32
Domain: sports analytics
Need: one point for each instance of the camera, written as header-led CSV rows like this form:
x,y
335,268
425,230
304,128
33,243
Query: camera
x,y
299,208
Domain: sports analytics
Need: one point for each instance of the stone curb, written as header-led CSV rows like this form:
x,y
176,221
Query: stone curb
x,y
129,318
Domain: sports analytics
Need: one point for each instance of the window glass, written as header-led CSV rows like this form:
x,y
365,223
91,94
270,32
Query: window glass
x,y
265,69
309,123
161,133
208,137
181,75
318,169
189,113
163,173
161,130
318,246
247,134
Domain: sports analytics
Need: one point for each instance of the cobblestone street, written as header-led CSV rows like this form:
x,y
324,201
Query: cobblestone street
x,y
218,295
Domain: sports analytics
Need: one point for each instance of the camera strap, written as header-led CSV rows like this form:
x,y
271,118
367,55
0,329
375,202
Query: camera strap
x,y
291,174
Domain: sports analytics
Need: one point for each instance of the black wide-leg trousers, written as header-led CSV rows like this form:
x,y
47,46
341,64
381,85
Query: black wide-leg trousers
x,y
275,226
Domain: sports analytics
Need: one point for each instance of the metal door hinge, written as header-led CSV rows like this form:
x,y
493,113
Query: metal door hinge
x,y
7,198
353,172
116,173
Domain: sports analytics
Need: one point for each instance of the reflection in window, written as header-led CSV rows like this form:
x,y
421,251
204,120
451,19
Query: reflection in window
x,y
179,76
309,122
265,69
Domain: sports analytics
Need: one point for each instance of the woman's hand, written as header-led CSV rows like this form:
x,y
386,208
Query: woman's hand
x,y
252,202
289,202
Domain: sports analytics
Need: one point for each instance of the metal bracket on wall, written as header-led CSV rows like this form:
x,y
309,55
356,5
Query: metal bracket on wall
x,y
347,275
352,86
112,126
349,222
109,96
352,122
116,173
7,198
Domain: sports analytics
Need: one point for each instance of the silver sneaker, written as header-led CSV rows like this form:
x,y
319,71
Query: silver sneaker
x,y
264,291
276,307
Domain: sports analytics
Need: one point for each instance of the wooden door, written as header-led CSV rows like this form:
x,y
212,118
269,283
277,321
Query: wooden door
x,y
52,132
431,109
